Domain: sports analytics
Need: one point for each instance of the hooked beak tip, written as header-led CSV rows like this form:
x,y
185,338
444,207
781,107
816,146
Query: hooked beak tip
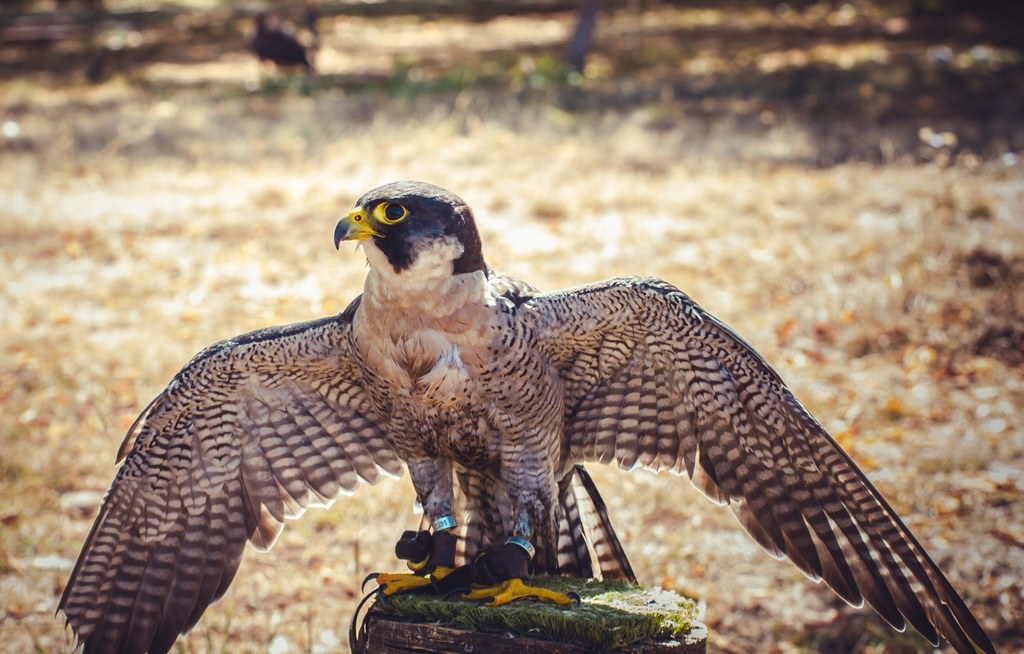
x,y
353,227
344,231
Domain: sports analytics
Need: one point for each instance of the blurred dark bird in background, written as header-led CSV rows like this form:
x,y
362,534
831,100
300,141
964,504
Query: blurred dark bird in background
x,y
276,42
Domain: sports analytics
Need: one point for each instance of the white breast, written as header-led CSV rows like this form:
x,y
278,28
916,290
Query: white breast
x,y
427,335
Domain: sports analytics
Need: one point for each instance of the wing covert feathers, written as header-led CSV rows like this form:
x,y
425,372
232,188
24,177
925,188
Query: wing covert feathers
x,y
250,433
653,381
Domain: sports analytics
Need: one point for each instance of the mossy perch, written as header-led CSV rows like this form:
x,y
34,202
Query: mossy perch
x,y
613,616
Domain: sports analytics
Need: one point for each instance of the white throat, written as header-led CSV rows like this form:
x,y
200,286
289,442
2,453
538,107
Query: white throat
x,y
428,287
431,264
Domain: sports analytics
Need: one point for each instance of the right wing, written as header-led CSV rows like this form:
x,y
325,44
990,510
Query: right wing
x,y
252,431
652,380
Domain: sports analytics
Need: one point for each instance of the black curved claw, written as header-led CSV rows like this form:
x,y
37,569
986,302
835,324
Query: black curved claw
x,y
356,629
372,575
575,597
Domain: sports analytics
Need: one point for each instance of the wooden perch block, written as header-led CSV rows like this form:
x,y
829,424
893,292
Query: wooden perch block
x,y
612,616
390,636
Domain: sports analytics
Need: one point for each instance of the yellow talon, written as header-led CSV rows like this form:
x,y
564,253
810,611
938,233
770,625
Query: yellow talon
x,y
402,582
513,589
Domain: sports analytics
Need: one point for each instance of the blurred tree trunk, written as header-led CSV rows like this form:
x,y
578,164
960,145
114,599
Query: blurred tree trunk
x,y
583,34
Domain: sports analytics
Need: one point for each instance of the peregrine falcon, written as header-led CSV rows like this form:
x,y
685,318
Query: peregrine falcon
x,y
492,394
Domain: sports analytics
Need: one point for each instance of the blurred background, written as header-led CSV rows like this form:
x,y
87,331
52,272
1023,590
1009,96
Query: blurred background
x,y
839,181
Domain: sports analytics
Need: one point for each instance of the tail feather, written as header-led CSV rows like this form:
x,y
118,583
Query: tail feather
x,y
574,556
481,524
611,558
585,541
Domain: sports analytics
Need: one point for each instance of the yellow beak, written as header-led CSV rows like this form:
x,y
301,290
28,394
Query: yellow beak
x,y
354,227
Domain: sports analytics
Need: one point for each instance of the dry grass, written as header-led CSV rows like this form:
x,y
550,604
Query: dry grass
x,y
141,222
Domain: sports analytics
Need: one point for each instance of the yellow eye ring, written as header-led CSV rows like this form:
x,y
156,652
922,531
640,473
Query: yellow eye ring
x,y
389,213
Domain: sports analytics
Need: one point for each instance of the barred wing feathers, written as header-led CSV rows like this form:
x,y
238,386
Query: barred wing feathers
x,y
653,381
252,431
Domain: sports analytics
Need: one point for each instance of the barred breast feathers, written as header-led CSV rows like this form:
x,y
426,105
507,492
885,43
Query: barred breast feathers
x,y
428,331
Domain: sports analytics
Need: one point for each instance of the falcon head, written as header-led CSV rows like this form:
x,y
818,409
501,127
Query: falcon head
x,y
413,228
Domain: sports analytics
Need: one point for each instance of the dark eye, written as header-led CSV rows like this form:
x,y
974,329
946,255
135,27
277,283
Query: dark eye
x,y
395,212
389,213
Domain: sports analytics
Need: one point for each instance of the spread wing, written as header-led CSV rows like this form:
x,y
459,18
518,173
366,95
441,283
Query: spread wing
x,y
252,431
651,380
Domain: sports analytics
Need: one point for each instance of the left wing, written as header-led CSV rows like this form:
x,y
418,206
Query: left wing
x,y
652,380
251,432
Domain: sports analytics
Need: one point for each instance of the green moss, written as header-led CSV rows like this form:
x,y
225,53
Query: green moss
x,y
612,614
